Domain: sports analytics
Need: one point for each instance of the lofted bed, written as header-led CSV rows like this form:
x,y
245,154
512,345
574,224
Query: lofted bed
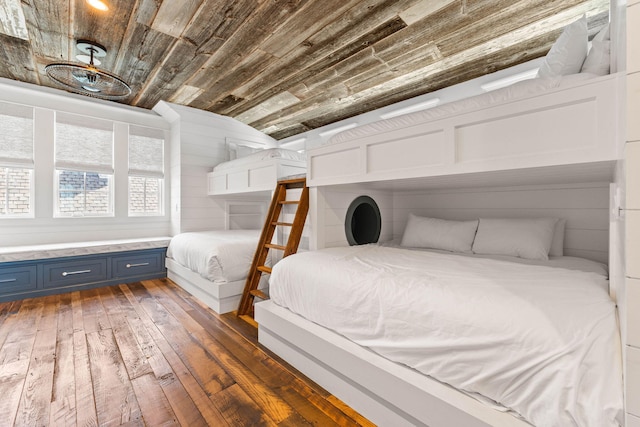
x,y
557,130
256,172
213,264
564,123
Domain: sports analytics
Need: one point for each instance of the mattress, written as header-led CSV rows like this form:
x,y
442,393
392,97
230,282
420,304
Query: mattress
x,y
523,89
540,341
219,256
271,153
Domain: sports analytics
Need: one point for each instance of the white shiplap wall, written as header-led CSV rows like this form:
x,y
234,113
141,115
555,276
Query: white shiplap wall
x,y
585,206
201,139
630,312
328,209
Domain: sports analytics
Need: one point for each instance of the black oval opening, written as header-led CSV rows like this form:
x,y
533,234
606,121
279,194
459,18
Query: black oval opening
x,y
362,224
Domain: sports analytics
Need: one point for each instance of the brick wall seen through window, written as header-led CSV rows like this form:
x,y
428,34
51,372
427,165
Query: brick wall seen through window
x,y
15,191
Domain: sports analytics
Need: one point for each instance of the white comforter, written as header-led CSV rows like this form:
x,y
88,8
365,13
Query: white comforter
x,y
540,341
219,256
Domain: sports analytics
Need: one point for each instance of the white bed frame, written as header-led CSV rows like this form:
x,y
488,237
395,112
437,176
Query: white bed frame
x,y
387,393
220,297
564,131
253,177
560,127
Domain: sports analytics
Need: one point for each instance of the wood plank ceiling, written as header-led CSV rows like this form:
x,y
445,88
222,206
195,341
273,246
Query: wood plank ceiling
x,y
286,66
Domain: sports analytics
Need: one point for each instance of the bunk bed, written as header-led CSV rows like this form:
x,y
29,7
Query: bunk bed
x,y
213,265
559,128
256,172
566,122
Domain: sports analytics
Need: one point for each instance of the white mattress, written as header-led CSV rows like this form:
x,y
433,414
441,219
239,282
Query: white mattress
x,y
540,341
526,88
219,256
271,153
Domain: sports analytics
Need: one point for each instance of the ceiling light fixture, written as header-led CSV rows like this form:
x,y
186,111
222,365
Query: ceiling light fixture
x,y
87,79
98,4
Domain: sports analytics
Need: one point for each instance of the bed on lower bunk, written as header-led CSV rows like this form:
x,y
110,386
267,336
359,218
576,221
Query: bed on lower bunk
x,y
487,333
256,172
490,332
212,265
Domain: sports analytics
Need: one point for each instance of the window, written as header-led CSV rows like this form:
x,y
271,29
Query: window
x,y
84,166
146,171
16,160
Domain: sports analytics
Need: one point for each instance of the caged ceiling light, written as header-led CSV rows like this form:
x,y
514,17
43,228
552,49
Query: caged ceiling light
x,y
86,79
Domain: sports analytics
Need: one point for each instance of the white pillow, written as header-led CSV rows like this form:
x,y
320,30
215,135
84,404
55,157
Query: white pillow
x,y
568,53
599,58
557,243
528,238
603,33
433,233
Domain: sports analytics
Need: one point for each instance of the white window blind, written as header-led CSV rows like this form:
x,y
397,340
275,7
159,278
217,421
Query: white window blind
x,y
84,143
16,135
146,152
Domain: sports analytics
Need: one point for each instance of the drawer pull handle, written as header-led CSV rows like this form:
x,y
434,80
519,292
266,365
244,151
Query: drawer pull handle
x,y
7,280
68,273
141,264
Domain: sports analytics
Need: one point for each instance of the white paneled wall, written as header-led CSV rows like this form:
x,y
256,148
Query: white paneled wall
x,y
632,216
201,137
585,206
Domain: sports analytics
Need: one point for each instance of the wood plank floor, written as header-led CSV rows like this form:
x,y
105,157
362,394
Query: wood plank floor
x,y
147,354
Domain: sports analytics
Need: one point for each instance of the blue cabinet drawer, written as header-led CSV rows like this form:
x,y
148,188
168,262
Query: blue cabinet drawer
x,y
135,265
14,279
75,272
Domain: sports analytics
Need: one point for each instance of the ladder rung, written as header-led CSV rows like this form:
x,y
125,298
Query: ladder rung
x,y
272,246
258,293
290,202
293,182
286,224
264,269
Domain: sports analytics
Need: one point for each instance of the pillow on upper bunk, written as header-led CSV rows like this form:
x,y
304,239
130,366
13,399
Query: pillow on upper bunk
x,y
568,53
557,243
433,233
599,58
528,238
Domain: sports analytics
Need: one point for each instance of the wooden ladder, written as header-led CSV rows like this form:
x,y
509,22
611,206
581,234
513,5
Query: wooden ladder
x,y
264,244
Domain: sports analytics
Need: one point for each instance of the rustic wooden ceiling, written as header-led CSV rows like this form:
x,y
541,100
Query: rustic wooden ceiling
x,y
286,66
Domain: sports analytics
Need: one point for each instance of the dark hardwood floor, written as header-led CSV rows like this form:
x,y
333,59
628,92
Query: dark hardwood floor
x,y
147,354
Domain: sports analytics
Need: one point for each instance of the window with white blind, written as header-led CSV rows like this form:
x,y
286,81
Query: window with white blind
x,y
146,171
84,166
16,160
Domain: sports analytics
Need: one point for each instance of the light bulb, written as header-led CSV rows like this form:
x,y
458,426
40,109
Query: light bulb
x,y
98,4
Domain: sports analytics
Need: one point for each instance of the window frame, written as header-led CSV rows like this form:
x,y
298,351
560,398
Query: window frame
x,y
84,214
25,163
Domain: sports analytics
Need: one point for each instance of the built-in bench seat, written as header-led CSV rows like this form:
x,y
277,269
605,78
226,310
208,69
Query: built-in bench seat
x,y
28,271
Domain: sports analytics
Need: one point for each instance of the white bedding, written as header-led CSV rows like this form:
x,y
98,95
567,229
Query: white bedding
x,y
271,153
526,88
219,256
538,340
